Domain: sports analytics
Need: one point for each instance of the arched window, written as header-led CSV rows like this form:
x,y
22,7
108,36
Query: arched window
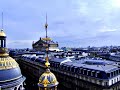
x,y
0,43
3,43
20,87
15,88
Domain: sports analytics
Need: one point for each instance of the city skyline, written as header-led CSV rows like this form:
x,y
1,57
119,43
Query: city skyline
x,y
73,23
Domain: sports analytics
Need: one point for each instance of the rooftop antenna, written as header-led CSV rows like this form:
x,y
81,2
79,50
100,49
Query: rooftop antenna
x,y
2,20
46,25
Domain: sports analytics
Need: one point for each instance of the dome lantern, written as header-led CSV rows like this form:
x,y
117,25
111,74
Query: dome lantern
x,y
3,49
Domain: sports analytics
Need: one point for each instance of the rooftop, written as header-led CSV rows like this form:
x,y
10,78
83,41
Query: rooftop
x,y
100,65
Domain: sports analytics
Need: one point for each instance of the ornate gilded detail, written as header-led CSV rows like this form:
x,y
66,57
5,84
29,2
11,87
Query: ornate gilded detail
x,y
45,82
4,54
47,79
7,63
47,64
46,39
3,50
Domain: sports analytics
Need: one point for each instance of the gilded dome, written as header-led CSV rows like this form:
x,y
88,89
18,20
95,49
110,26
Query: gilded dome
x,y
10,73
47,79
2,33
9,69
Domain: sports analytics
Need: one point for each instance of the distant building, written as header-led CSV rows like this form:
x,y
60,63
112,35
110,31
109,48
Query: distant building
x,y
40,45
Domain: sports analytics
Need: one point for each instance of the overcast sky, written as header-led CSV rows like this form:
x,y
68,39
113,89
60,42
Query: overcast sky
x,y
72,23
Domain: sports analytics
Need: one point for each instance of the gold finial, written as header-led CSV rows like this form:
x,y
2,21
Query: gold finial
x,y
47,64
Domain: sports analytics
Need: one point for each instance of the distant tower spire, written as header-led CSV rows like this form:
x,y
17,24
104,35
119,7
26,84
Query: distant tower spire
x,y
46,18
2,20
3,50
46,25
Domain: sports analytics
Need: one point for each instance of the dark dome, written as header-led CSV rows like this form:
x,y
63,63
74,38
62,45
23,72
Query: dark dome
x,y
9,69
10,73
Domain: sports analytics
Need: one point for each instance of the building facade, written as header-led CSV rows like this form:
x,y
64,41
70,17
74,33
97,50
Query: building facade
x,y
40,45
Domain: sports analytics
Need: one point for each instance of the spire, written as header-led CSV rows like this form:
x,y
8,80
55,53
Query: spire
x,y
2,32
47,64
2,20
3,49
47,80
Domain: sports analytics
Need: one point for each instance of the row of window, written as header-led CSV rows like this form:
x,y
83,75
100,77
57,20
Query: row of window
x,y
83,71
93,73
19,88
77,70
115,80
113,73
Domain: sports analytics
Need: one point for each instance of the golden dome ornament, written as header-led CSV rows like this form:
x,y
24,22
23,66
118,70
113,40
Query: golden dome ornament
x,y
47,80
2,34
